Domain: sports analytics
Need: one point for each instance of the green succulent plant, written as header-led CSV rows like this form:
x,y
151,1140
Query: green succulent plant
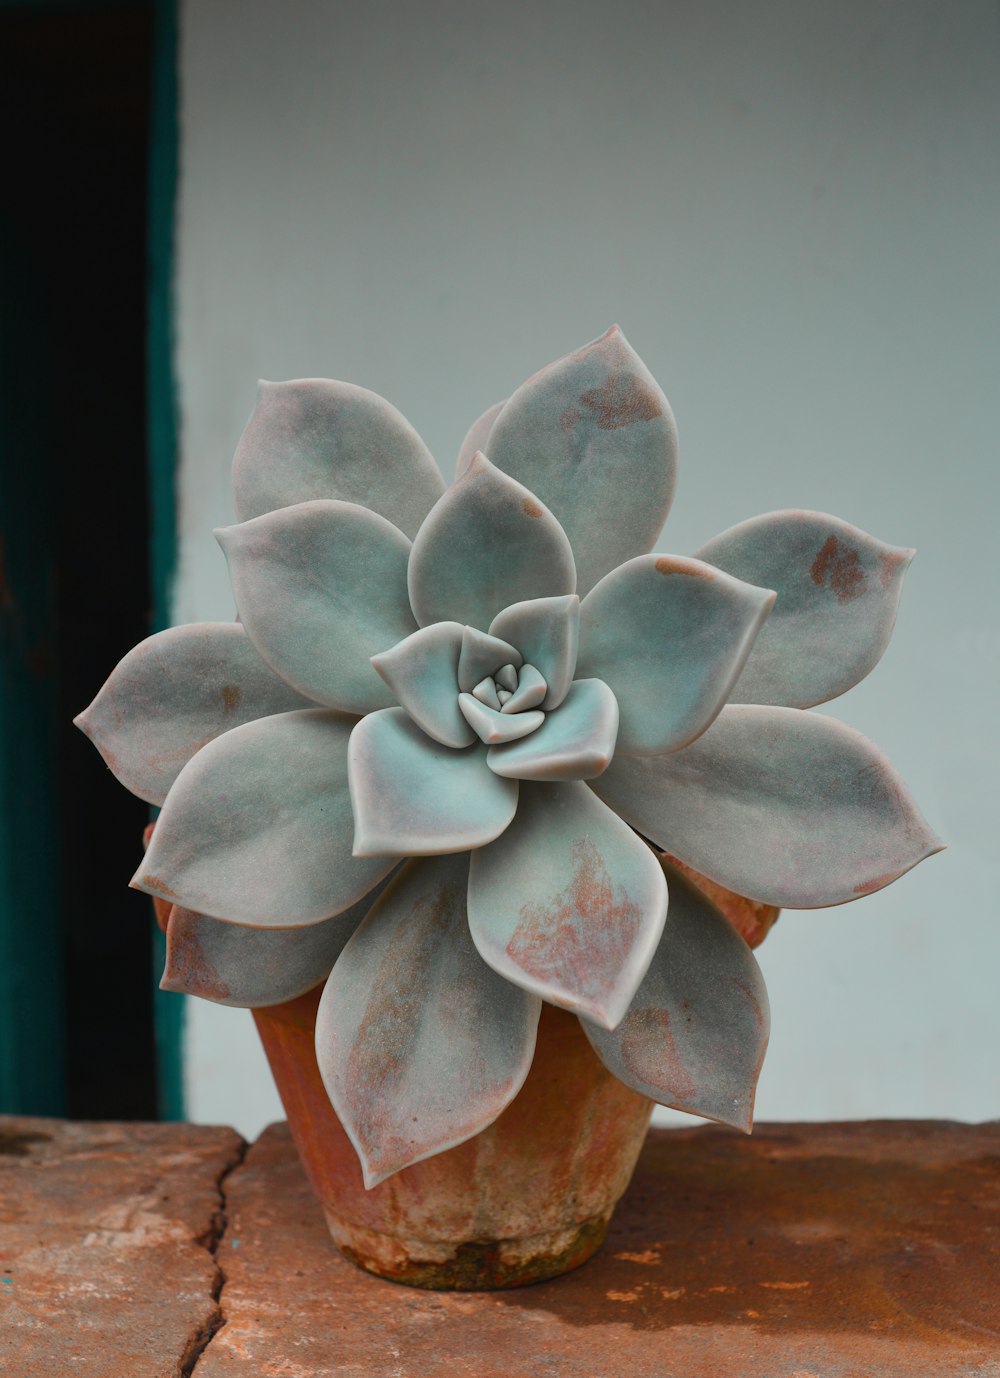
x,y
427,763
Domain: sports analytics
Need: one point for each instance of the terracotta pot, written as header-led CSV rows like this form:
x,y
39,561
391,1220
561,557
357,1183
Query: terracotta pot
x,y
527,1199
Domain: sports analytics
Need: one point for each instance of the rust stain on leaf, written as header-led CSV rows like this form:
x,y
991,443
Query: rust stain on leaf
x,y
187,967
569,418
651,1055
532,508
380,1057
839,567
231,695
621,400
586,930
155,883
666,564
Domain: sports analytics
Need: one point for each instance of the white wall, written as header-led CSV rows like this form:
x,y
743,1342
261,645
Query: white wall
x,y
792,210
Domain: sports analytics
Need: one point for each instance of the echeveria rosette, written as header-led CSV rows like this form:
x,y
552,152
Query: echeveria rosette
x,y
424,764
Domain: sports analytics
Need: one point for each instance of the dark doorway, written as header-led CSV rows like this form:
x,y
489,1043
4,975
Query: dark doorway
x,y
76,985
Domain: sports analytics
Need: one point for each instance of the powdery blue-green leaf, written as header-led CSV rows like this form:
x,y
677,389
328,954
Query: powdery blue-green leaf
x,y
838,591
481,655
546,631
419,1043
422,672
316,438
174,693
487,542
669,635
785,807
696,1031
528,692
321,588
414,797
593,437
575,742
258,826
491,726
477,437
250,968
568,903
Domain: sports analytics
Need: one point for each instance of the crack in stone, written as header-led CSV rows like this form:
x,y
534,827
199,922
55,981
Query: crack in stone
x,y
210,1240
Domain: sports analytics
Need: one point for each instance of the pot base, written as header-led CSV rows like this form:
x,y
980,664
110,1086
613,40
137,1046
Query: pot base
x,y
526,1199
480,1265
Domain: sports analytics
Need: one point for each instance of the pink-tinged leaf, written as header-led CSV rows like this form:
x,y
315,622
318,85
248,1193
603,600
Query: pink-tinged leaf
x,y
173,694
575,742
250,968
258,826
789,808
488,542
321,588
546,631
568,903
422,672
477,437
838,591
316,438
695,1034
593,437
419,1043
414,797
482,655
669,635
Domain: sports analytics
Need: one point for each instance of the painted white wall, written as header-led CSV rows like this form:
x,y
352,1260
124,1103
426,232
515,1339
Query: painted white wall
x,y
791,207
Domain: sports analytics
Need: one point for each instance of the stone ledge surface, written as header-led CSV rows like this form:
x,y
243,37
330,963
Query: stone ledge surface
x,y
867,1250
107,1238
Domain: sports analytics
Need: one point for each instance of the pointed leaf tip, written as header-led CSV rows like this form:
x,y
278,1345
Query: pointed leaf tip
x,y
838,594
486,543
419,1043
696,1032
593,437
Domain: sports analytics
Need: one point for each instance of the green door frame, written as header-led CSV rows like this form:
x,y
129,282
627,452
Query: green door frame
x,y
32,1032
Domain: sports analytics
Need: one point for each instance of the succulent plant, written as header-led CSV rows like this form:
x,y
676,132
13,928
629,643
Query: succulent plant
x,y
427,763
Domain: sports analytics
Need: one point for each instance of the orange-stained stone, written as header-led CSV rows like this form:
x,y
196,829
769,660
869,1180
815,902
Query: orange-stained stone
x,y
107,1246
868,1250
528,1198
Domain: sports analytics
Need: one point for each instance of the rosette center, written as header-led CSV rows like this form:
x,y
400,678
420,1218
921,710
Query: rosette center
x,y
504,706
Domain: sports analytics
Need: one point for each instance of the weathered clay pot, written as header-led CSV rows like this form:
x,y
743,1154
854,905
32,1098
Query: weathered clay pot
x,y
527,1199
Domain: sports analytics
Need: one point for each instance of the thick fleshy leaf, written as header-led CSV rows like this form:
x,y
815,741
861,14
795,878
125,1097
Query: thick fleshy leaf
x,y
419,1043
482,655
250,968
751,919
669,635
528,692
317,438
175,692
547,633
576,742
696,1032
258,826
568,903
414,797
422,672
477,437
838,591
321,588
786,807
593,437
492,727
487,543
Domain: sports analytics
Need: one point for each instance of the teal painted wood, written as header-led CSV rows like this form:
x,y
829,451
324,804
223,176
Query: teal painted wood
x,y
169,1006
32,1065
